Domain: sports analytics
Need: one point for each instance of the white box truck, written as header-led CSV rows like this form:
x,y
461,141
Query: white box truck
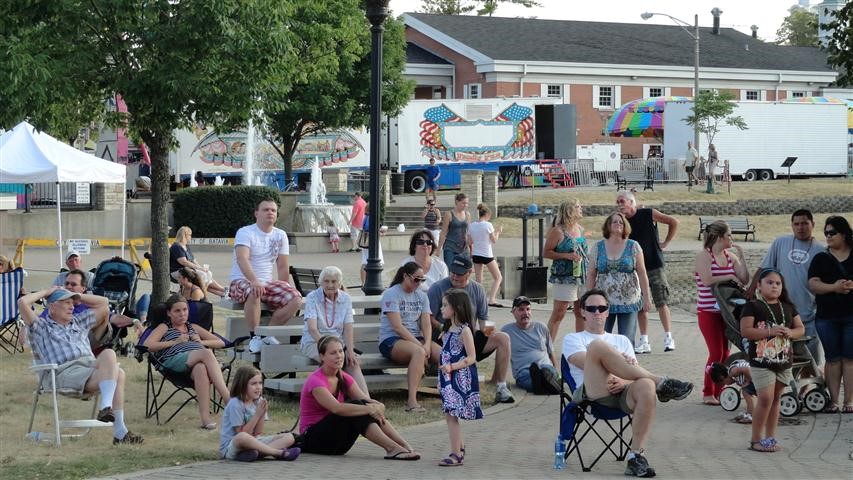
x,y
814,133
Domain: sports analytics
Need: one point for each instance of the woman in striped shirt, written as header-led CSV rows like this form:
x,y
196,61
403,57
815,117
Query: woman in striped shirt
x,y
719,261
185,348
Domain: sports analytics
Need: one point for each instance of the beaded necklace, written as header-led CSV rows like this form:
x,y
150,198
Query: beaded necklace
x,y
326,302
772,315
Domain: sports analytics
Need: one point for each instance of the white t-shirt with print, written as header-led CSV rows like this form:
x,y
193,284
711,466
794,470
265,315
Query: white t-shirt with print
x,y
264,249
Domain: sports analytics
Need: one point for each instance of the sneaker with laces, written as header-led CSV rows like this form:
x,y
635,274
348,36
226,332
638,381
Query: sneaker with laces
x,y
638,466
643,347
503,395
672,389
270,341
130,438
106,415
255,344
668,344
289,454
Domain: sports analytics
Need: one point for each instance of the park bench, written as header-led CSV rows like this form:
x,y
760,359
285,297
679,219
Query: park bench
x,y
738,226
306,280
626,177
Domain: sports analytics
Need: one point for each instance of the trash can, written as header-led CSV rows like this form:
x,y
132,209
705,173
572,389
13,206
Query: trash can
x,y
398,183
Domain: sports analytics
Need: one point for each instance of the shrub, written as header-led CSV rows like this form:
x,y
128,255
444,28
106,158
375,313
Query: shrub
x,y
217,212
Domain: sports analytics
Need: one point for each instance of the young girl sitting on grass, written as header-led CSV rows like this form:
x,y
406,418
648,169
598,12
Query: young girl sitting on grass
x,y
458,382
770,323
241,436
738,373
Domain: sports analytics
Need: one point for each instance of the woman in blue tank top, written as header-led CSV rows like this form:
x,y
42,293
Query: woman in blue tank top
x,y
567,248
454,229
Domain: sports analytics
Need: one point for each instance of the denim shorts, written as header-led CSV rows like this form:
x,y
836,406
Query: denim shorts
x,y
387,345
836,335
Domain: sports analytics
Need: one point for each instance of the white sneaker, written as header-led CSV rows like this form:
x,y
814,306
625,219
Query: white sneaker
x,y
643,347
255,344
668,344
271,341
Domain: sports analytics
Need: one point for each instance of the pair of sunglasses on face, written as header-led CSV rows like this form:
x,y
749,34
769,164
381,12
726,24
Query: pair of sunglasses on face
x,y
417,279
422,241
830,233
596,308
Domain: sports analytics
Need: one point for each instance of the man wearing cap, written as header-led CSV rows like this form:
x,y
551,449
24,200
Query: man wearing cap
x,y
605,370
533,356
499,342
63,338
73,262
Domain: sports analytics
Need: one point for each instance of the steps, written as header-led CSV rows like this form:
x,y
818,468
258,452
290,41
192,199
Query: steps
x,y
554,173
410,216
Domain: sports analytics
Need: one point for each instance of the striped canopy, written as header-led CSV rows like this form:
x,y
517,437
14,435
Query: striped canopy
x,y
832,100
640,118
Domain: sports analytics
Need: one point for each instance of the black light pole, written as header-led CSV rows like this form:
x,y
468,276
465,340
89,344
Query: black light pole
x,y
377,12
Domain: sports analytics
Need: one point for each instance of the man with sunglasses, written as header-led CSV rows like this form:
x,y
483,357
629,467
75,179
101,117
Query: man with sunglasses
x,y
791,255
605,370
499,342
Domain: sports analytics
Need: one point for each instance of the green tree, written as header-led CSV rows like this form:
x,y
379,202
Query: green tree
x,y
461,7
336,43
711,111
839,45
173,62
799,28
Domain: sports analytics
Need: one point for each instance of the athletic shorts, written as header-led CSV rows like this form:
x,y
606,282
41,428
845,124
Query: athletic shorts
x,y
619,402
277,293
178,363
480,340
689,170
482,260
659,287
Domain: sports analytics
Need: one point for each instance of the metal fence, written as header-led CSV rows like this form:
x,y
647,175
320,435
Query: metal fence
x,y
584,174
72,196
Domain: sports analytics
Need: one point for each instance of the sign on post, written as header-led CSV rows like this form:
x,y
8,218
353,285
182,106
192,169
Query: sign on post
x,y
83,246
82,193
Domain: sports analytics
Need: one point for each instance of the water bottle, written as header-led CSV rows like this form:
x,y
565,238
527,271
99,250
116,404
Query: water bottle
x,y
559,453
38,437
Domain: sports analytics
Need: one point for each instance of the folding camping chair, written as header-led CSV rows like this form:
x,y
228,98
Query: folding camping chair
x,y
46,385
579,419
10,327
200,313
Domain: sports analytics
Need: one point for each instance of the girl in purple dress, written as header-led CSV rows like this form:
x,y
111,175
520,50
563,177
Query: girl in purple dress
x,y
458,383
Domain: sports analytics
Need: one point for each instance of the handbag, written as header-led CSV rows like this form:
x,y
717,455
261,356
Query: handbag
x,y
363,239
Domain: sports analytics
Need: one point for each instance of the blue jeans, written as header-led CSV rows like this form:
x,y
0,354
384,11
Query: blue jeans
x,y
627,323
142,306
523,379
448,255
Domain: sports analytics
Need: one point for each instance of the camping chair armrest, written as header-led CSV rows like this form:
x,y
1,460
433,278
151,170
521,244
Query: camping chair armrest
x,y
44,366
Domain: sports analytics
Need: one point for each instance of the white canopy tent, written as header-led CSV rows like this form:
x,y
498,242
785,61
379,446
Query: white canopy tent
x,y
30,156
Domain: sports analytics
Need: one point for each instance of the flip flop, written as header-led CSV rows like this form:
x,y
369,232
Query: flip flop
x,y
847,408
497,305
208,426
832,408
452,460
415,409
764,446
409,456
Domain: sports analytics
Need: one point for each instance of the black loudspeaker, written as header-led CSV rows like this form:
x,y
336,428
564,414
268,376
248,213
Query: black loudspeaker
x,y
556,131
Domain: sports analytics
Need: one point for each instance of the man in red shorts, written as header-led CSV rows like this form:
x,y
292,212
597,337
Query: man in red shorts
x,y
257,249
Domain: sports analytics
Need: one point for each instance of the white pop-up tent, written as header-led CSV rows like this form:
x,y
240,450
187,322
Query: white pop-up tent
x,y
30,156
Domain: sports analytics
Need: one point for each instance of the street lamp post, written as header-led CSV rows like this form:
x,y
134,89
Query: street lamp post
x,y
695,36
377,12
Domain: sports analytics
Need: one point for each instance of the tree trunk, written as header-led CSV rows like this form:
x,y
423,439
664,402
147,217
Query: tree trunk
x,y
159,153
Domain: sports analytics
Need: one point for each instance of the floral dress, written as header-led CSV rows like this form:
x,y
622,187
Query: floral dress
x,y
618,278
460,390
566,271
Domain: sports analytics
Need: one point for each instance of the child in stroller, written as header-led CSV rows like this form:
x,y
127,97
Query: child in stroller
x,y
116,279
737,373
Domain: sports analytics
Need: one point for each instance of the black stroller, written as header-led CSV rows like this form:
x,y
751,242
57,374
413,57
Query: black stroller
x,y
731,298
116,280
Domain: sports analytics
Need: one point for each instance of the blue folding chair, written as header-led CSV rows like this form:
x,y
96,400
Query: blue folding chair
x,y
579,419
10,327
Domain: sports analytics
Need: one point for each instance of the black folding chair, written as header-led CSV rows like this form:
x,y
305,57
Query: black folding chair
x,y
10,327
579,419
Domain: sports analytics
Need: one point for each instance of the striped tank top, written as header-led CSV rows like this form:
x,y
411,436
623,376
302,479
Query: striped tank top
x,y
431,220
172,334
705,300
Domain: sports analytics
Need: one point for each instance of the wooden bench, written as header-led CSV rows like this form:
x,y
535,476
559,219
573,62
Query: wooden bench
x,y
626,177
306,280
738,226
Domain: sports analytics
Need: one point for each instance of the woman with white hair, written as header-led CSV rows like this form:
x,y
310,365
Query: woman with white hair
x,y
180,256
328,311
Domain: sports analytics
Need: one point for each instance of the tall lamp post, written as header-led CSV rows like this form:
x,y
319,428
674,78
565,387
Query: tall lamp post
x,y
377,12
695,36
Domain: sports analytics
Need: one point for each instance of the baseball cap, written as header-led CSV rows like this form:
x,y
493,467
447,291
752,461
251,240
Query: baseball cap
x,y
71,253
61,294
520,300
461,264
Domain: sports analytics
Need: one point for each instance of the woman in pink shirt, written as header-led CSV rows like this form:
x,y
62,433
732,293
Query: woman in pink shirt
x,y
333,411
714,264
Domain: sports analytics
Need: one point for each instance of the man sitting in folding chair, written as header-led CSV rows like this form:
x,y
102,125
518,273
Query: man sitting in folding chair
x,y
63,338
604,368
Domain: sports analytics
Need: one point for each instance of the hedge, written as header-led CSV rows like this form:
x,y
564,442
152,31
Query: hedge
x,y
218,212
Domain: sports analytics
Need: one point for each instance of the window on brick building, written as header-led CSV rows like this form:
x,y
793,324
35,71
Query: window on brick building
x,y
605,97
655,92
798,94
752,95
472,90
554,91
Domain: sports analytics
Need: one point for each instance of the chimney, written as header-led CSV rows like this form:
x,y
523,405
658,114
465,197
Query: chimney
x,y
716,12
754,29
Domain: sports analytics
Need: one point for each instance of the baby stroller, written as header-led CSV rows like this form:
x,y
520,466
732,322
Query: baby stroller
x,y
116,280
731,298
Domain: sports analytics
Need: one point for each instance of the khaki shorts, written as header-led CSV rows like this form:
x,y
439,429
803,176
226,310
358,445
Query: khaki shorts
x,y
567,292
659,286
231,452
765,378
619,402
72,376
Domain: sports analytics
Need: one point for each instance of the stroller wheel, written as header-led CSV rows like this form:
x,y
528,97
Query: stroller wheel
x,y
816,400
730,399
789,405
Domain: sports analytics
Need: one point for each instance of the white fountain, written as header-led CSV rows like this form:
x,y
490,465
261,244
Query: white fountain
x,y
249,168
314,216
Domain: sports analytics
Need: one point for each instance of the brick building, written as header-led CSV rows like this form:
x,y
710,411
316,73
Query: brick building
x,y
598,66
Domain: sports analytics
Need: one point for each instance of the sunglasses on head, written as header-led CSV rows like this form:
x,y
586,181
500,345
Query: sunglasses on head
x,y
596,308
423,241
830,233
417,279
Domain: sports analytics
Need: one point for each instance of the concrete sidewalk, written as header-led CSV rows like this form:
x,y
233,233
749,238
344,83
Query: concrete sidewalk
x,y
689,440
